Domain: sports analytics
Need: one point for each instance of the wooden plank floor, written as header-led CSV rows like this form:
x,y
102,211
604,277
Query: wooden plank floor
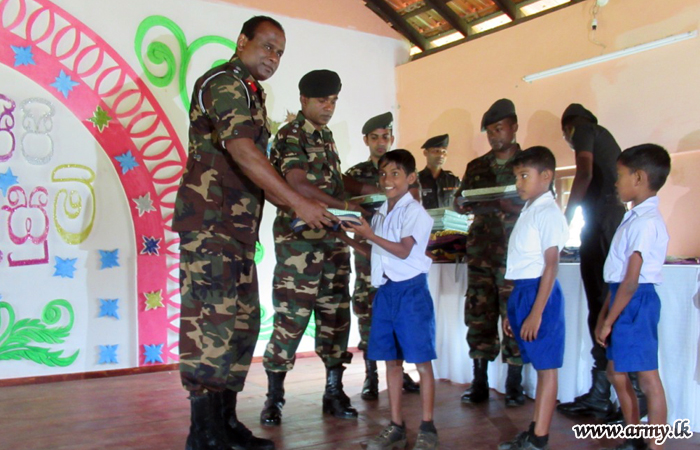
x,y
150,411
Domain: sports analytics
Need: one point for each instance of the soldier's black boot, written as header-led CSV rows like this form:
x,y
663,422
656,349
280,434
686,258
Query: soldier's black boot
x,y
370,388
204,435
238,436
514,386
617,416
409,385
478,392
272,410
335,401
595,402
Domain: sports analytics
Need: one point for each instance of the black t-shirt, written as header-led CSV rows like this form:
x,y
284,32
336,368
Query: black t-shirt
x,y
589,137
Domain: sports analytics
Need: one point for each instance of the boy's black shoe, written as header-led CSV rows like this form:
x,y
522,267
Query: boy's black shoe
x,y
391,437
513,443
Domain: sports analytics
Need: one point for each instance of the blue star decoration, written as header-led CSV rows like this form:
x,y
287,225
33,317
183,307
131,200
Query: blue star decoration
x,y
109,307
7,180
109,258
151,246
153,353
23,55
64,84
126,161
108,354
65,267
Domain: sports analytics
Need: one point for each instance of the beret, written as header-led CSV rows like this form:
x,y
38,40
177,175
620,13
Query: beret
x,y
500,110
320,83
381,121
441,141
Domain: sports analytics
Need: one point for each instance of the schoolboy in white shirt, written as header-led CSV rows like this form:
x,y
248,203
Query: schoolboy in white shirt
x,y
403,319
536,305
627,324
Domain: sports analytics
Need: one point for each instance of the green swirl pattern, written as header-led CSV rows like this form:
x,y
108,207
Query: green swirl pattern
x,y
17,338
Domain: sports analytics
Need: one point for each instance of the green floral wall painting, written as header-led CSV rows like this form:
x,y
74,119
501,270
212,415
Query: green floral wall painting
x,y
18,339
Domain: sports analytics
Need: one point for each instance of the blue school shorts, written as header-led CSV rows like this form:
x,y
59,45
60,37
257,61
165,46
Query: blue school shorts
x,y
634,340
403,322
547,351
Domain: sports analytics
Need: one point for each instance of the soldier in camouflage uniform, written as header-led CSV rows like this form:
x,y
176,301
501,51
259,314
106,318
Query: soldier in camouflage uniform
x,y
217,214
437,186
313,267
488,291
378,136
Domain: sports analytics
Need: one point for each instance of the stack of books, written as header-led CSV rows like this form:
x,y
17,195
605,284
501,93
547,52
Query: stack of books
x,y
486,194
370,202
446,219
344,216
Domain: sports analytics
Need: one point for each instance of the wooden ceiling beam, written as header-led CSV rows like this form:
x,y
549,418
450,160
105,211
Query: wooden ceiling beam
x,y
449,15
388,13
508,7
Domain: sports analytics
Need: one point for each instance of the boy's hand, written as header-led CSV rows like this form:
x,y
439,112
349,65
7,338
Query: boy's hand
x,y
507,330
530,328
362,230
602,332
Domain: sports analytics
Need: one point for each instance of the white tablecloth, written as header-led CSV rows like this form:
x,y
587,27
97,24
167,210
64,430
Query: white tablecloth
x,y
679,337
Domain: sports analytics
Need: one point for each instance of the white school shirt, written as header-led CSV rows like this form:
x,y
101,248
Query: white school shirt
x,y
642,230
541,225
408,218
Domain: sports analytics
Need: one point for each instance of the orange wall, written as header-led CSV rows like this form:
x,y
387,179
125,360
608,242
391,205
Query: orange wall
x,y
648,97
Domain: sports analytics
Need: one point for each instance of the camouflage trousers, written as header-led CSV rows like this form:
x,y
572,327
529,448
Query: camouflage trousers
x,y
220,311
362,297
487,300
310,276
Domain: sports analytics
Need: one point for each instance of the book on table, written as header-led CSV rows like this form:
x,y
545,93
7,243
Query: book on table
x,y
487,194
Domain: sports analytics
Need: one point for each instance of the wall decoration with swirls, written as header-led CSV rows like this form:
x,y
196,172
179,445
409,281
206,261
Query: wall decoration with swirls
x,y
75,65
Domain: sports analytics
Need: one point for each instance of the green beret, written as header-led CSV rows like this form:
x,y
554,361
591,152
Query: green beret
x,y
441,141
385,120
319,83
577,110
500,110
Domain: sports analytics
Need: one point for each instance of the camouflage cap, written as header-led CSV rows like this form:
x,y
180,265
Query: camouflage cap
x,y
500,110
441,141
320,83
385,120
577,110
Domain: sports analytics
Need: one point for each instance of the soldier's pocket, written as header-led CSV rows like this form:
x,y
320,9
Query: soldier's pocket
x,y
208,273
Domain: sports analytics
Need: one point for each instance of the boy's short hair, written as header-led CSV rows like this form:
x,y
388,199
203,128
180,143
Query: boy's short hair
x,y
650,158
251,25
402,158
539,157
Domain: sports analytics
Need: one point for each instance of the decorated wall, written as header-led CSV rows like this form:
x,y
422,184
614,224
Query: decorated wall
x,y
93,137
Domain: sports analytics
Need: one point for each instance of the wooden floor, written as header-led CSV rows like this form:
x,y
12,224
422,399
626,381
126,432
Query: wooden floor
x,y
150,411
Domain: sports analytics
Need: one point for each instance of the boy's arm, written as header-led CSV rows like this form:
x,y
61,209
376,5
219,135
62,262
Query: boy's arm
x,y
601,318
624,294
399,249
531,325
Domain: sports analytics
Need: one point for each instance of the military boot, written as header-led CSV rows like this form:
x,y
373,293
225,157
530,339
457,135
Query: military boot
x,y
370,388
335,401
238,436
409,385
204,434
272,410
595,402
514,386
478,392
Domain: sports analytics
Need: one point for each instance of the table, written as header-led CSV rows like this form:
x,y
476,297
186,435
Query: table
x,y
679,337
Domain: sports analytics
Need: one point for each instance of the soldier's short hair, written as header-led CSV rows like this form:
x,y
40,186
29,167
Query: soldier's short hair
x,y
251,25
538,157
650,158
402,158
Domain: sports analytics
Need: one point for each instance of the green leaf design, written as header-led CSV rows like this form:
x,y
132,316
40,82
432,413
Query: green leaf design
x,y
16,337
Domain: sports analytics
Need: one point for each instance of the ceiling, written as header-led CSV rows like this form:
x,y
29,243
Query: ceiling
x,y
433,25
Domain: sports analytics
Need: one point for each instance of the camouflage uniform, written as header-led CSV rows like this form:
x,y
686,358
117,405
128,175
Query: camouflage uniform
x,y
363,293
488,291
217,214
313,268
437,193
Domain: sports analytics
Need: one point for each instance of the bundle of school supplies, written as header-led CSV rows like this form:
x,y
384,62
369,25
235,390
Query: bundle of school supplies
x,y
370,202
344,216
448,236
486,194
448,219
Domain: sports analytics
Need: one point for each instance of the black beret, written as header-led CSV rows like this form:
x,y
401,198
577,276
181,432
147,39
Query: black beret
x,y
577,110
500,110
441,141
385,120
319,83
